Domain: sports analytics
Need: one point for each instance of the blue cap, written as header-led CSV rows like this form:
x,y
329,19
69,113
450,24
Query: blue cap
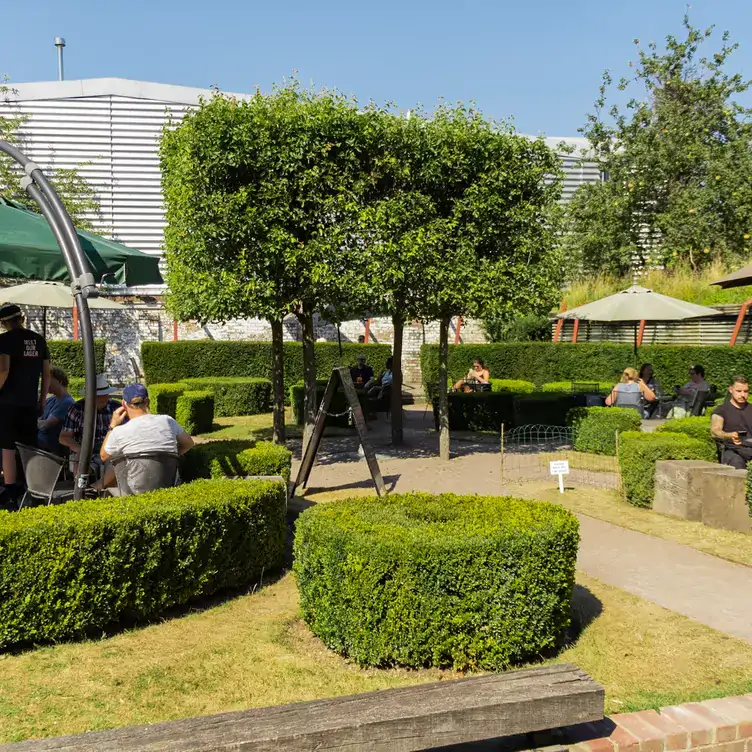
x,y
134,394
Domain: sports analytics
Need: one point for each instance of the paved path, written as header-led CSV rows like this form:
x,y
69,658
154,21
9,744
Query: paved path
x,y
707,589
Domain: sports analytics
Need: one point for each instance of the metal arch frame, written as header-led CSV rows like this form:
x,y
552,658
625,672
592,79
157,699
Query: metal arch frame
x,y
83,286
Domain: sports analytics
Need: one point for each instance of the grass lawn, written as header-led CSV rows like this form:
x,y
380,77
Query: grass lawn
x,y
254,651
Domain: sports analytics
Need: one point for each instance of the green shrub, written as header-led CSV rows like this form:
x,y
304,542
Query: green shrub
x,y
338,410
595,427
542,409
228,459
516,386
195,412
76,387
542,362
170,362
477,411
421,580
163,398
68,354
236,395
71,570
696,427
565,387
638,453
749,488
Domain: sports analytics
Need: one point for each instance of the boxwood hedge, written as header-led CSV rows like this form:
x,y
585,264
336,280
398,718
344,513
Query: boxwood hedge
x,y
223,459
638,453
163,398
195,412
338,415
516,386
595,427
236,395
696,427
421,580
69,355
603,387
71,570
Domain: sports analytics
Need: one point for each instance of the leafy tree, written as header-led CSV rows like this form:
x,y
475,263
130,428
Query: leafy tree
x,y
531,327
77,194
678,164
260,195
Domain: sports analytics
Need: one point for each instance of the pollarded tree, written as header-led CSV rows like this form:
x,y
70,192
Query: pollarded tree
x,y
678,164
259,196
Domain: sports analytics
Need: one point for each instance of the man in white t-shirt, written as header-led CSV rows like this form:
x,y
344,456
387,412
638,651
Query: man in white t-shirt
x,y
144,433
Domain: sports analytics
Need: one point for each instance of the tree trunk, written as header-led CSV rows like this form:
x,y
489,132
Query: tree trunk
x,y
310,407
398,325
278,382
443,401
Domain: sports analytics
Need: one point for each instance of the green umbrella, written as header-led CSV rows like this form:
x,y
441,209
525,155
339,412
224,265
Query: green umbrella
x,y
28,250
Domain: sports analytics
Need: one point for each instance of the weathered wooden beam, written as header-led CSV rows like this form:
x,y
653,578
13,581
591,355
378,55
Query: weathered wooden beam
x,y
394,720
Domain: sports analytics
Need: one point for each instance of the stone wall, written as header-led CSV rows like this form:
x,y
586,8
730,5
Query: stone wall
x,y
144,319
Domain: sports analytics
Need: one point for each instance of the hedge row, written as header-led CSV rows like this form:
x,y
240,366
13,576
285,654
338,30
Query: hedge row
x,y
72,570
170,362
516,386
229,459
544,362
638,453
595,427
69,355
338,410
195,412
696,427
565,387
417,580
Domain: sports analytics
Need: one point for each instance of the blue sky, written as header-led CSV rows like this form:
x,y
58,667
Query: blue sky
x,y
538,62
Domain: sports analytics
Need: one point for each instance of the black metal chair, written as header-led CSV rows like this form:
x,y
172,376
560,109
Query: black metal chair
x,y
149,471
42,470
698,403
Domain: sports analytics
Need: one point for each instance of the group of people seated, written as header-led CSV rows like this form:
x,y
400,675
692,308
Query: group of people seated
x,y
642,391
363,378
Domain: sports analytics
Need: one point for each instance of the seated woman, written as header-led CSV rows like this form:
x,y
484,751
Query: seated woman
x,y
647,377
478,374
375,387
630,391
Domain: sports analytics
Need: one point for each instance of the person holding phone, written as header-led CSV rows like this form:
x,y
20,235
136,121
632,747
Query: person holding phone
x,y
731,424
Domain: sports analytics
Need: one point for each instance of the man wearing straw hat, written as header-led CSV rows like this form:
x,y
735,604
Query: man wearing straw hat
x,y
24,363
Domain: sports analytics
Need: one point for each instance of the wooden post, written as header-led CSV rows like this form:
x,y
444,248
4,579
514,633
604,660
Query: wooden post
x,y
75,322
174,331
557,333
739,321
640,333
458,330
368,331
575,330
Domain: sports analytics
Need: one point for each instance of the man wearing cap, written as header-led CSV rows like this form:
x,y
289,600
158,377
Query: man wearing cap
x,y
144,433
73,425
24,363
361,373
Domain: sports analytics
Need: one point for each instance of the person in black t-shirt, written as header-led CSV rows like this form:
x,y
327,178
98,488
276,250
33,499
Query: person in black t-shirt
x,y
362,373
24,362
731,423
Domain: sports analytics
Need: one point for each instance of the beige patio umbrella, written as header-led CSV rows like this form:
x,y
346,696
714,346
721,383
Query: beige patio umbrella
x,y
740,278
46,295
638,304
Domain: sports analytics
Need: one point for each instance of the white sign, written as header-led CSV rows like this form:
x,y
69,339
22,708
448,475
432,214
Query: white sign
x,y
559,467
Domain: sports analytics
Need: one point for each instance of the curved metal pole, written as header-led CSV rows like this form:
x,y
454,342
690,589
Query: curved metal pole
x,y
82,286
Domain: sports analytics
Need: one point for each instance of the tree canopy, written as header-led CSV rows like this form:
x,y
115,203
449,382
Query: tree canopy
x,y
677,163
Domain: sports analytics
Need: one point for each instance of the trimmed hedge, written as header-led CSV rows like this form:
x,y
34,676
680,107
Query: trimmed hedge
x,y
543,409
72,570
749,487
68,354
236,395
696,427
163,398
516,386
338,407
638,453
227,459
605,361
565,387
417,580
195,412
171,362
595,427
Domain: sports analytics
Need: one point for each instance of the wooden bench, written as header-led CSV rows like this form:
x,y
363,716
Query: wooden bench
x,y
398,720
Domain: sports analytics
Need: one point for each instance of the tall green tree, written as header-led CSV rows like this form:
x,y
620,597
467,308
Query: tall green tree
x,y
77,194
677,161
260,196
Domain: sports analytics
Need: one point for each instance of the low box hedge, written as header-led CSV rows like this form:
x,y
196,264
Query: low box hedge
x,y
595,427
516,386
195,412
418,580
163,398
236,395
565,387
72,570
749,487
638,453
696,427
543,409
338,410
228,459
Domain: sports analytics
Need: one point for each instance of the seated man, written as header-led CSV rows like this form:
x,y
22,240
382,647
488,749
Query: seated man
x,y
361,373
731,423
695,384
143,433
376,386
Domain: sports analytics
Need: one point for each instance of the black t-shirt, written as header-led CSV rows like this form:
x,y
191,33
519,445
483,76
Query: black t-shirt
x,y
27,351
736,419
361,375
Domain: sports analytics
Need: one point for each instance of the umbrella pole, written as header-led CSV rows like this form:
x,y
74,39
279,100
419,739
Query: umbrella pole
x,y
635,340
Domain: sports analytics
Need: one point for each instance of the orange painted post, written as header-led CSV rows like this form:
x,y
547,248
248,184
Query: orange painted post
x,y
75,322
174,331
458,330
368,330
575,330
560,322
640,333
739,321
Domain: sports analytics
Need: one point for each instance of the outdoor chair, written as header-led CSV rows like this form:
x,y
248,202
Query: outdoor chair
x,y
42,470
698,403
140,473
